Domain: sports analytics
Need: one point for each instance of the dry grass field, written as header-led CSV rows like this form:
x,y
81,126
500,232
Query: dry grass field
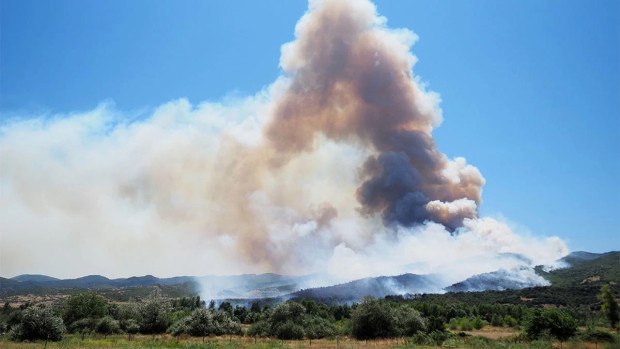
x,y
486,338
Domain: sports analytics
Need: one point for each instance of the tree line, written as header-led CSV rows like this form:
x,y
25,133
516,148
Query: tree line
x,y
421,322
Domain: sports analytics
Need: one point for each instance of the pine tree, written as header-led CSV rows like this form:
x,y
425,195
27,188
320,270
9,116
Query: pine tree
x,y
609,306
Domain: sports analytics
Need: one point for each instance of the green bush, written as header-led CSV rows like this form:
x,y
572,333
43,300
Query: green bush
x,y
438,337
465,325
38,323
510,321
83,326
497,320
107,325
477,323
260,328
318,327
420,339
289,330
179,327
596,335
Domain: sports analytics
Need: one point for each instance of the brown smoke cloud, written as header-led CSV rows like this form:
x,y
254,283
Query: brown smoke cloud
x,y
352,81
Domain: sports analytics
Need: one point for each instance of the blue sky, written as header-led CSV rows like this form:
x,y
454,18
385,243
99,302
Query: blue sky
x,y
530,90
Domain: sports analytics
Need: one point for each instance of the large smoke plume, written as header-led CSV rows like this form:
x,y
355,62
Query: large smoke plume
x,y
352,81
330,169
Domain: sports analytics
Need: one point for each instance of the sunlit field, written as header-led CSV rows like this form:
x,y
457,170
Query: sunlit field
x,y
480,339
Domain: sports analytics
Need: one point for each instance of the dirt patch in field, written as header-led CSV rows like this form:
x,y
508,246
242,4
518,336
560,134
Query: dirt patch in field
x,y
591,279
494,332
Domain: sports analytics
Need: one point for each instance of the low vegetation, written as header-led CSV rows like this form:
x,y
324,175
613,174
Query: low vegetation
x,y
579,310
89,320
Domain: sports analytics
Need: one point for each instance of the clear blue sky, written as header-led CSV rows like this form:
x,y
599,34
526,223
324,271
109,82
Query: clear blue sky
x,y
530,89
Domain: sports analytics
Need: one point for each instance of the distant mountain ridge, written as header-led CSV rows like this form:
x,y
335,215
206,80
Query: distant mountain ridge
x,y
245,285
377,287
33,278
579,268
500,280
89,281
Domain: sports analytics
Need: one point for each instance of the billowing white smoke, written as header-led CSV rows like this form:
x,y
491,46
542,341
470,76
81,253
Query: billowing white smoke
x,y
331,169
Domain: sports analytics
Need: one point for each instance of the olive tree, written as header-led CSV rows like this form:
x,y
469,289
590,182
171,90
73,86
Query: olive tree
x,y
131,327
84,305
107,325
409,321
373,319
318,327
287,321
154,314
39,322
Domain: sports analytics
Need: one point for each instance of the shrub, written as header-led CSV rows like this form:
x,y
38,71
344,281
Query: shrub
x,y
465,325
181,326
259,329
420,339
596,335
317,327
107,325
38,323
477,323
438,337
289,330
131,326
83,326
510,321
497,321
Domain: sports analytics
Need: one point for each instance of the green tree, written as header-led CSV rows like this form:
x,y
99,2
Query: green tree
x,y
83,326
255,308
317,327
201,323
128,313
609,306
553,321
39,322
287,321
154,314
224,323
204,322
373,319
131,327
181,326
84,305
260,328
409,321
227,307
107,325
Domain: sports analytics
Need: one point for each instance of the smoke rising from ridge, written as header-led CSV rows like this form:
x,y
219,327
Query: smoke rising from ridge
x,y
331,169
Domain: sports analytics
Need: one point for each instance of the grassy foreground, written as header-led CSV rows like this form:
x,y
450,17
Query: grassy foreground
x,y
166,341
